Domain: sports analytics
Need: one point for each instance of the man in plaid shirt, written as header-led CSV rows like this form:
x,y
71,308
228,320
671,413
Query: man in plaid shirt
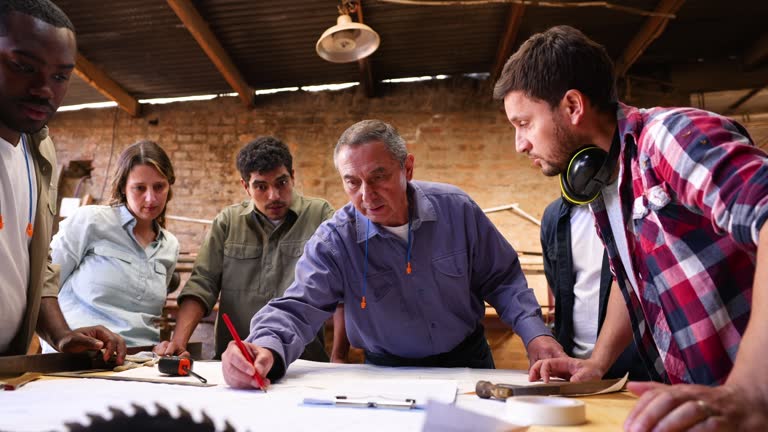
x,y
681,210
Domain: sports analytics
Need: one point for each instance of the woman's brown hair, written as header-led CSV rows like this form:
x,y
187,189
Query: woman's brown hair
x,y
143,152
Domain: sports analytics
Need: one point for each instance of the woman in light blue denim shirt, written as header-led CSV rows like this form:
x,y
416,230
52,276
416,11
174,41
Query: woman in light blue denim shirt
x,y
117,261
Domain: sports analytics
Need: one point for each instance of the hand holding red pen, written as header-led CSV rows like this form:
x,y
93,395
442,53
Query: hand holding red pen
x,y
245,364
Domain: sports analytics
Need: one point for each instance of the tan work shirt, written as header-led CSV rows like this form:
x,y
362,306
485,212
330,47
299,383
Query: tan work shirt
x,y
43,276
248,261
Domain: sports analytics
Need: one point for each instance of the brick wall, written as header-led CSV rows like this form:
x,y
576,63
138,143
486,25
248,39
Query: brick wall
x,y
456,132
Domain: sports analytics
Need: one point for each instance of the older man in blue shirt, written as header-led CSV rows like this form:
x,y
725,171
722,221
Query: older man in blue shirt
x,y
412,261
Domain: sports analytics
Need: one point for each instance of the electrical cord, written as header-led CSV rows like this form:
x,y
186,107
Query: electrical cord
x,y
111,153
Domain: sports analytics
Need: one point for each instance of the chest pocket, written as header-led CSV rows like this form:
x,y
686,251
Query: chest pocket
x,y
128,278
242,251
380,284
292,249
451,274
161,271
242,268
451,268
108,252
645,217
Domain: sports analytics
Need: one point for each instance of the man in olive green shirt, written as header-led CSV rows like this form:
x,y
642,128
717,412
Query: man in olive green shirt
x,y
249,255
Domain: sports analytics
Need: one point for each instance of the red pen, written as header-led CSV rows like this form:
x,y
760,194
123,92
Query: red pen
x,y
259,379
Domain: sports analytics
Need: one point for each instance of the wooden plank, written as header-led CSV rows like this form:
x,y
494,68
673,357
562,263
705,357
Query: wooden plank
x,y
56,362
102,82
653,28
210,44
514,18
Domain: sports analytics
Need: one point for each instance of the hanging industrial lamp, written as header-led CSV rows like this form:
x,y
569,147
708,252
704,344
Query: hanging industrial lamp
x,y
347,41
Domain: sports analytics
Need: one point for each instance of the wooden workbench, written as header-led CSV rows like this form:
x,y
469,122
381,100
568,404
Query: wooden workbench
x,y
49,403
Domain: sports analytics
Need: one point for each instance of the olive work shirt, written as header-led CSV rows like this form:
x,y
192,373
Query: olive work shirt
x,y
247,261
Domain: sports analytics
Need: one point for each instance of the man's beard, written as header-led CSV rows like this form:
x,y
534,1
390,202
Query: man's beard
x,y
566,143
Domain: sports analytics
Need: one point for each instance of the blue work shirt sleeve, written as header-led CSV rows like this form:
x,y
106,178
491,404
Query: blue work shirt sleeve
x,y
500,280
286,324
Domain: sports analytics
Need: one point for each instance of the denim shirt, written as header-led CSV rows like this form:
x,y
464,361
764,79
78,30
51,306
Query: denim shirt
x,y
107,278
458,259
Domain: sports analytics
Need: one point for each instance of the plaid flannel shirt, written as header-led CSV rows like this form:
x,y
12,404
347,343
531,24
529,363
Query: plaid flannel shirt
x,y
694,194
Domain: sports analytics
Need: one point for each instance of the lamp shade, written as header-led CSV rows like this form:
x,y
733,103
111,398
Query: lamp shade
x,y
347,41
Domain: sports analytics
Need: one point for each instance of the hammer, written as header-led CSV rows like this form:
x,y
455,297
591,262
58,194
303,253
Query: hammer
x,y
486,389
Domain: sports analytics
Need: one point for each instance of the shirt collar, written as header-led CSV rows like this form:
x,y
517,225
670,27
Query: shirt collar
x,y
630,123
424,212
126,217
248,208
128,221
296,202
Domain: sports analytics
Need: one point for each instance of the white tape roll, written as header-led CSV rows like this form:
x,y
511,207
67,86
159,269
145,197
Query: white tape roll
x,y
546,410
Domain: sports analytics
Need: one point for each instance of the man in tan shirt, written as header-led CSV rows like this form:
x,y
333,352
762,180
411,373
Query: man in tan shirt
x,y
249,255
37,53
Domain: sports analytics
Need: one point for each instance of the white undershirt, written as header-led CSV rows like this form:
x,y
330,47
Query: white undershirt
x,y
587,252
275,222
400,231
613,206
14,242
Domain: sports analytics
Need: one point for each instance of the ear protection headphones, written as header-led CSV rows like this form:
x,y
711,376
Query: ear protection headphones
x,y
589,171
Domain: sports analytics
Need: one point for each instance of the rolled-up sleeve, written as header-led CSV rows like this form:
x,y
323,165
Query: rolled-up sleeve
x,y
712,165
205,281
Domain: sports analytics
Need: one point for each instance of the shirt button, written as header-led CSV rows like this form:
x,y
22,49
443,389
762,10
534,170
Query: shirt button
x,y
433,325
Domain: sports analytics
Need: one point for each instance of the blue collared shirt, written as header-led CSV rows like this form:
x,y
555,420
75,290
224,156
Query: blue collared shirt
x,y
458,259
107,278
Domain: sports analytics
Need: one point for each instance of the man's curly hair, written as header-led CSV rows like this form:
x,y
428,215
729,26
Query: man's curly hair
x,y
262,155
44,10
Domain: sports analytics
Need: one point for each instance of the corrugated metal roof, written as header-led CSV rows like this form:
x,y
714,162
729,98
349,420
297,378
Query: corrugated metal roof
x,y
143,46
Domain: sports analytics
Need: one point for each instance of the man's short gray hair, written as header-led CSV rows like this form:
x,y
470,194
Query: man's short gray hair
x,y
367,131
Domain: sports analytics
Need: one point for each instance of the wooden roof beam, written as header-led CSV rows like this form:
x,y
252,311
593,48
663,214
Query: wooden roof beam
x,y
514,18
757,53
202,33
102,82
366,72
653,28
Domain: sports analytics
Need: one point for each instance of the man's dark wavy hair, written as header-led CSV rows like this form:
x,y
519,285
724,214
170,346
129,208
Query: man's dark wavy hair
x,y
550,63
262,155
